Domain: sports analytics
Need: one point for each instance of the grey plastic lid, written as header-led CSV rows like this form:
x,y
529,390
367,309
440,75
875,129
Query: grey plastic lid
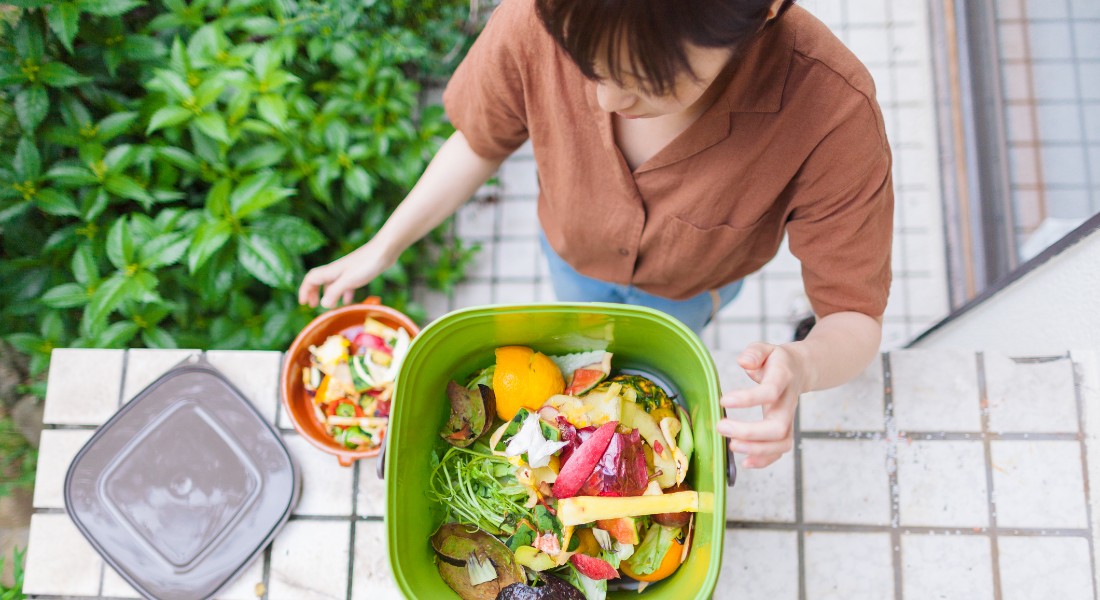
x,y
183,486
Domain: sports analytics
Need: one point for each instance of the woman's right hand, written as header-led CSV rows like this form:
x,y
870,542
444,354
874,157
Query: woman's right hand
x,y
341,277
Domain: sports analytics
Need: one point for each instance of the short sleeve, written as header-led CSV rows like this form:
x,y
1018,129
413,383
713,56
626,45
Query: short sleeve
x,y
841,227
485,97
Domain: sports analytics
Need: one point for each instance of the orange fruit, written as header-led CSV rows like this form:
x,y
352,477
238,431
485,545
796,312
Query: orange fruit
x,y
524,379
668,565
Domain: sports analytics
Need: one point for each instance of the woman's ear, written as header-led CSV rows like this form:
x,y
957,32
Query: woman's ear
x,y
773,10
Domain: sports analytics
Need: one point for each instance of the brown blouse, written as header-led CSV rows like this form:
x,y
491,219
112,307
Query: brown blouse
x,y
795,143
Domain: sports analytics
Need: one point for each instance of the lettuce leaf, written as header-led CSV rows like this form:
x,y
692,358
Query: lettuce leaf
x,y
592,589
649,554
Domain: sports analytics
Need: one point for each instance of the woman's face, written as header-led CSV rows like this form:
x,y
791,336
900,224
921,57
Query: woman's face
x,y
630,100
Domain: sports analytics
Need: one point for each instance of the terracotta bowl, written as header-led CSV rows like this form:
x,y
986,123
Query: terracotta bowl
x,y
297,403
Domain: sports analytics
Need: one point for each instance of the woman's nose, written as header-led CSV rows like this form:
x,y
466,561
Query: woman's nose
x,y
612,98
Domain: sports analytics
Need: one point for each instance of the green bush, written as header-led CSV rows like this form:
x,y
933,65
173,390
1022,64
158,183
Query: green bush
x,y
15,592
167,169
17,460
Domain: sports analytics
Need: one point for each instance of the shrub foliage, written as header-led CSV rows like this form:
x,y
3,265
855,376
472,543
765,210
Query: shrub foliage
x,y
167,169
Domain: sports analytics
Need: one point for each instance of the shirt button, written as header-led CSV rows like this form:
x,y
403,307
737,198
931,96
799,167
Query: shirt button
x,y
624,251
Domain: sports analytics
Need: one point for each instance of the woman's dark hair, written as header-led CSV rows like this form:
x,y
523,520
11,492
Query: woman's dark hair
x,y
654,33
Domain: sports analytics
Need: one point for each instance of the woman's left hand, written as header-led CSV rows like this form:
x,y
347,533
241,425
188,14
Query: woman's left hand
x,y
781,376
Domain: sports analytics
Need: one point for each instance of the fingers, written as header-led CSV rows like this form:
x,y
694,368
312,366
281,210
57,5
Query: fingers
x,y
761,449
759,462
341,288
309,291
765,393
773,428
754,357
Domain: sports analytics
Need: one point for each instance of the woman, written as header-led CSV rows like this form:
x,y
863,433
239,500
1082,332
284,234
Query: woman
x,y
676,143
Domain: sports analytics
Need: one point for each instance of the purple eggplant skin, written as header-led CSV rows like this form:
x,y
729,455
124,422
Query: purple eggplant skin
x,y
471,414
554,588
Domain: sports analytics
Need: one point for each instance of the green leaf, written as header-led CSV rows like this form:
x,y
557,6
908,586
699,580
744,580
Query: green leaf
x,y
266,261
208,239
213,125
120,243
66,295
27,162
156,337
64,21
84,267
209,91
204,43
294,233
163,250
60,75
248,196
260,156
94,204
167,117
272,109
109,297
115,125
27,343
117,335
125,187
109,8
217,199
28,40
13,211
336,135
71,176
31,105
55,203
120,157
142,48
112,58
264,61
359,183
171,83
179,158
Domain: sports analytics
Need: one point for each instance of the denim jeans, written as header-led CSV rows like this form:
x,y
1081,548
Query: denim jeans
x,y
571,286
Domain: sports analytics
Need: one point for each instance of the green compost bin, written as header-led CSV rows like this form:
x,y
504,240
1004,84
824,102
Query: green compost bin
x,y
464,341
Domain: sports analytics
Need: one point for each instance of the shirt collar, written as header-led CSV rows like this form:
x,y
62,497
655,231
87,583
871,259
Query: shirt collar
x,y
760,74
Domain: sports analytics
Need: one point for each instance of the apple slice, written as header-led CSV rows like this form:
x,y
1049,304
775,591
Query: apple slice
x,y
583,461
594,568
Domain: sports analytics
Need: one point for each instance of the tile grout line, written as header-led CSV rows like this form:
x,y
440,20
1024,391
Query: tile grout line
x,y
266,572
266,579
1077,389
354,512
121,395
943,436
1081,114
892,472
910,530
983,405
798,506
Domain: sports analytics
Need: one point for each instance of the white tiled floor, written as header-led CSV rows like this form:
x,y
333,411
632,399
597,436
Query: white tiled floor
x,y
860,510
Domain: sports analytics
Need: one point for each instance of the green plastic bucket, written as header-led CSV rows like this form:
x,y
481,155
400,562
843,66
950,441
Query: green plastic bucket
x,y
463,341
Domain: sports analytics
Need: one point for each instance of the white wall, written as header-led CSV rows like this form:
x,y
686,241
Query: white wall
x,y
1052,309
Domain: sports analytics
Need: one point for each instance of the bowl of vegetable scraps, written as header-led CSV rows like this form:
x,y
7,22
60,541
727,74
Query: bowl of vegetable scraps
x,y
558,452
339,376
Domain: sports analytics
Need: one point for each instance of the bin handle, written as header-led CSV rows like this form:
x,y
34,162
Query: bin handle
x,y
372,301
382,462
731,467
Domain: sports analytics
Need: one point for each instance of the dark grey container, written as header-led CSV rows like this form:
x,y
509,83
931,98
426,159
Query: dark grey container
x,y
183,486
